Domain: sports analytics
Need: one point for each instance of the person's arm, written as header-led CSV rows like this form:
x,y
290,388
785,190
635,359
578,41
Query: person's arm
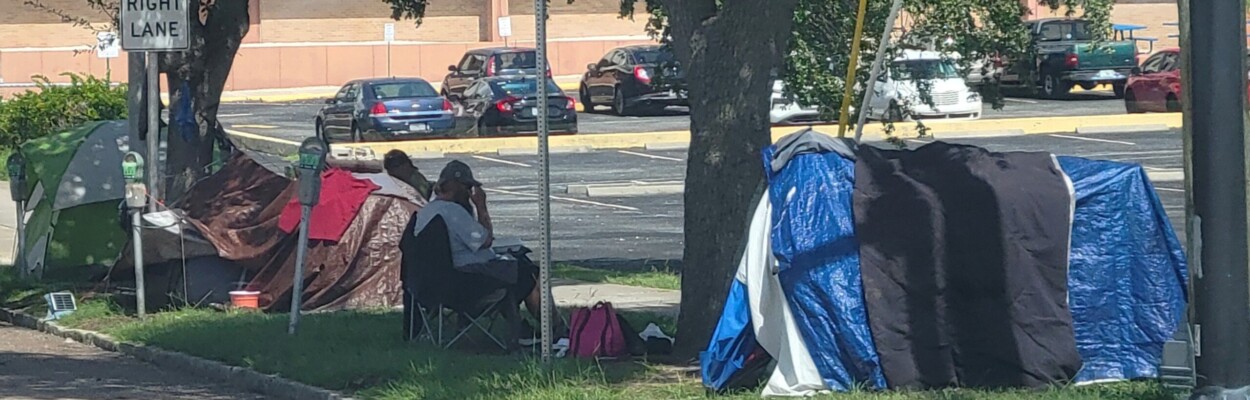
x,y
478,198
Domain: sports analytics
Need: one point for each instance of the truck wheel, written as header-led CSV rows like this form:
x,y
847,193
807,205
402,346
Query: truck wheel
x,y
1054,87
1119,89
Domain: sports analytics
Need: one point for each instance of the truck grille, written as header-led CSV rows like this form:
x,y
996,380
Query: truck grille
x,y
945,98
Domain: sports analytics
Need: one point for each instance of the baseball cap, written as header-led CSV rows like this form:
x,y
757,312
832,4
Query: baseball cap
x,y
458,171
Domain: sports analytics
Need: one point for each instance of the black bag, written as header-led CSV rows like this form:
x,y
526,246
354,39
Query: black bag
x,y
633,343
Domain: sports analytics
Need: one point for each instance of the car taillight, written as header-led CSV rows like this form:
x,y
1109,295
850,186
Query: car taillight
x,y
446,105
572,104
1072,61
490,66
378,109
642,74
505,105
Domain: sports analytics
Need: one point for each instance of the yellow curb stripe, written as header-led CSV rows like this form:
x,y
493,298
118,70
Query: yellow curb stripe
x,y
937,129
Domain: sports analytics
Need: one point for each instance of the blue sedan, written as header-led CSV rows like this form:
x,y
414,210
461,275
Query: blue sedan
x,y
385,109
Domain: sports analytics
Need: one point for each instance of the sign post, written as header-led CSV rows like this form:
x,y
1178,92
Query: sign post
x,y
312,160
107,47
136,198
388,36
544,172
505,28
17,189
152,27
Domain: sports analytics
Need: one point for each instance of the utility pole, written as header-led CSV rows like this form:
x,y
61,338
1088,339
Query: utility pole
x,y
1213,35
136,91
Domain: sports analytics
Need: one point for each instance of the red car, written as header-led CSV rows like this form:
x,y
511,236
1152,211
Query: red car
x,y
1156,85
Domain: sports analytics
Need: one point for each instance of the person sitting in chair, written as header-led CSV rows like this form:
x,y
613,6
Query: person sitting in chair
x,y
471,237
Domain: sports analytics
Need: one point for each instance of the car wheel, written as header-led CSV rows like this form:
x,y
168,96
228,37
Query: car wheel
x,y
1088,85
1053,87
1130,103
1119,89
618,103
1174,104
584,96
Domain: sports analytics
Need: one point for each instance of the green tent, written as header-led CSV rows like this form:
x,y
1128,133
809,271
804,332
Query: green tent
x,y
75,187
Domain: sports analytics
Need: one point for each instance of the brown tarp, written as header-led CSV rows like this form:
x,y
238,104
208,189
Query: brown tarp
x,y
237,210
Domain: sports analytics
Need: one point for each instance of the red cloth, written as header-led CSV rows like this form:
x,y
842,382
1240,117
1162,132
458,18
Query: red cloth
x,y
341,197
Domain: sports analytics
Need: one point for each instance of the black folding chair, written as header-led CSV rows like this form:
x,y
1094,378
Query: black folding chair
x,y
432,286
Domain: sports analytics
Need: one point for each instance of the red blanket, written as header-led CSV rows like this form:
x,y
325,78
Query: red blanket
x,y
341,198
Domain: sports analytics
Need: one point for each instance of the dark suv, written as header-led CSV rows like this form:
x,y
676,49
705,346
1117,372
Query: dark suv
x,y
634,79
483,63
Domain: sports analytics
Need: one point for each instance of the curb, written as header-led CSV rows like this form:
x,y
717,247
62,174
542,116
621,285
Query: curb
x,y
677,140
245,378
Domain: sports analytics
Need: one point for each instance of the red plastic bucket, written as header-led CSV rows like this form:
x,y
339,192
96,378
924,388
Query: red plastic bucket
x,y
245,299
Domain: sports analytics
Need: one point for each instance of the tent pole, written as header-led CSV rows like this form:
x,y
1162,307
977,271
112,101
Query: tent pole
x,y
876,69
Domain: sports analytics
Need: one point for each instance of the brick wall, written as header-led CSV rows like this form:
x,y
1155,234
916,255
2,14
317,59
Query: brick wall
x,y
340,9
556,7
434,29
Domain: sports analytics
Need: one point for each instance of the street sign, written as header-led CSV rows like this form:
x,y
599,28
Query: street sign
x,y
505,26
388,33
107,45
155,25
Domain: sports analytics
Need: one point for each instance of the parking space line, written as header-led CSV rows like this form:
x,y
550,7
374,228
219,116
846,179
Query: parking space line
x,y
1128,153
254,126
649,155
513,163
579,201
233,115
1094,139
1170,189
1146,158
1019,100
920,141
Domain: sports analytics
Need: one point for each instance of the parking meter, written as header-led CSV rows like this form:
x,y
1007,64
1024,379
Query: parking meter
x,y
132,172
17,177
312,160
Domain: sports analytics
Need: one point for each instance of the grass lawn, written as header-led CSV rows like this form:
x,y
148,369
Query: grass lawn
x,y
655,278
360,352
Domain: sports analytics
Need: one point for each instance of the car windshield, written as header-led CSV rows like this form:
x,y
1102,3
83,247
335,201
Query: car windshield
x,y
396,90
523,87
653,57
1066,30
925,69
516,60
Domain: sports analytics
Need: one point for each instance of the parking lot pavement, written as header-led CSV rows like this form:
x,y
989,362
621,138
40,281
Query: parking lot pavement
x,y
637,223
294,121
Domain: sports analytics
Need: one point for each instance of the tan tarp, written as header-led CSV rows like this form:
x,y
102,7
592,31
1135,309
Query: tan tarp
x,y
237,210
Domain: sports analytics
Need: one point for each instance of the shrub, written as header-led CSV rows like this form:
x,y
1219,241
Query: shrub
x,y
56,107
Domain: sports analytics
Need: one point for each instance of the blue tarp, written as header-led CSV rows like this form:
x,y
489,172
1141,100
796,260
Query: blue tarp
x,y
732,341
1127,276
813,239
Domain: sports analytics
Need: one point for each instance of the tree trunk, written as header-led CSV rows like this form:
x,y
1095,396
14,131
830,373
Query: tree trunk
x,y
728,54
203,69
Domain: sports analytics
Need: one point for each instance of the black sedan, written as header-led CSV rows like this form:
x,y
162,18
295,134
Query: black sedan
x,y
640,79
507,106
385,109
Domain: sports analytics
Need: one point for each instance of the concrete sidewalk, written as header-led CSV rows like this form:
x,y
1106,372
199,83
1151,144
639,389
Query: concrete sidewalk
x,y
568,83
569,293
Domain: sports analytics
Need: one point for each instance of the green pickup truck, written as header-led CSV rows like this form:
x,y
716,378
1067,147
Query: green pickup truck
x,y
1066,55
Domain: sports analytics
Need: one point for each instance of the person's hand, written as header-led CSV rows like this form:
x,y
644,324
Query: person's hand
x,y
478,197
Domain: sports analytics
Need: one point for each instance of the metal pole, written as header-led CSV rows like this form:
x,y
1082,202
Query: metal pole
x,y
154,131
136,230
19,258
388,59
870,86
301,253
136,90
849,88
544,172
1216,97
